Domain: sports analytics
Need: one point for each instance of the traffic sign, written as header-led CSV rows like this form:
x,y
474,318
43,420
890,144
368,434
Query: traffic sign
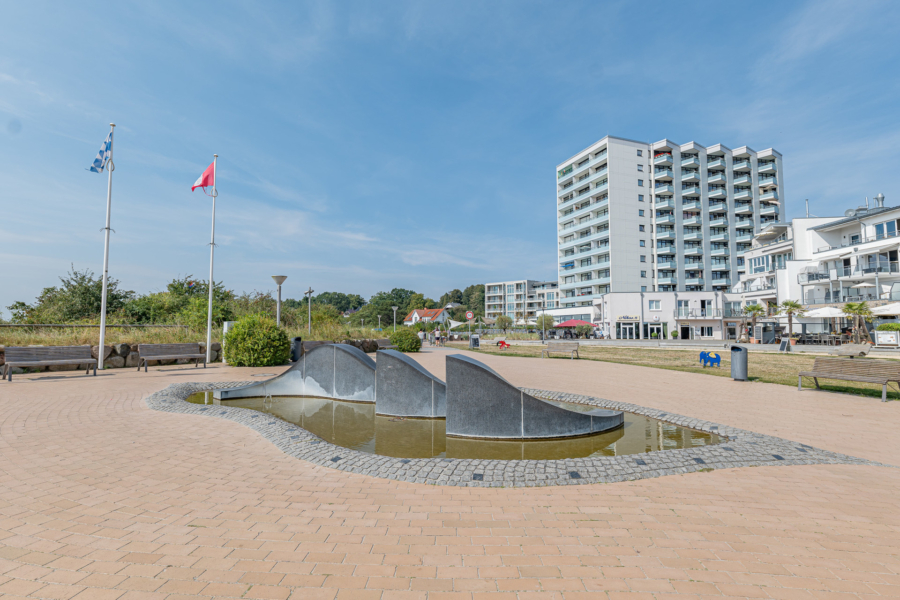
x,y
470,315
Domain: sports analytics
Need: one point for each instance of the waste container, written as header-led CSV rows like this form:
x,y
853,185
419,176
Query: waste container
x,y
296,348
738,363
474,341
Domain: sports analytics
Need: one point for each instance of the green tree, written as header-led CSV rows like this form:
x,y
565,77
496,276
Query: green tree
x,y
451,296
504,323
792,309
473,298
583,330
416,301
544,322
754,311
256,341
860,313
194,314
77,298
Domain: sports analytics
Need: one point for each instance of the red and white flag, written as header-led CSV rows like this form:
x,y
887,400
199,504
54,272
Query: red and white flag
x,y
208,179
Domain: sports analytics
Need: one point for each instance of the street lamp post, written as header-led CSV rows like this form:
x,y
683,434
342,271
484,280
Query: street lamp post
x,y
309,294
395,316
279,279
379,322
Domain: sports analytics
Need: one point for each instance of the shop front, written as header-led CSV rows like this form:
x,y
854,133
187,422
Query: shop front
x,y
628,327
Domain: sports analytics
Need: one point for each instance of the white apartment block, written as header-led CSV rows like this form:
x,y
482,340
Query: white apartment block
x,y
638,217
521,300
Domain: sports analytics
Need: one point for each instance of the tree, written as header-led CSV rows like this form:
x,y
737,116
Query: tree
x,y
504,323
416,301
451,296
544,322
79,297
860,312
473,298
791,308
754,311
583,330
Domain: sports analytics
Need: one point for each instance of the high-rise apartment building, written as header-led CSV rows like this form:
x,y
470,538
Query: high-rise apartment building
x,y
521,300
635,217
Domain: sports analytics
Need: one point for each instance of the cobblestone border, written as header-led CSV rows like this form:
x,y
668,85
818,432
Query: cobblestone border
x,y
742,449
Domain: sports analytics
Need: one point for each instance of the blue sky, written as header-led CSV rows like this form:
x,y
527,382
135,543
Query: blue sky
x,y
371,145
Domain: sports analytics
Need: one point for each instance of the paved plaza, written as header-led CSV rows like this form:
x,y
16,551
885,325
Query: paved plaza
x,y
102,497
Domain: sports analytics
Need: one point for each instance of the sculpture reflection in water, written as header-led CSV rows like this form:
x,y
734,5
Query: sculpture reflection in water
x,y
355,425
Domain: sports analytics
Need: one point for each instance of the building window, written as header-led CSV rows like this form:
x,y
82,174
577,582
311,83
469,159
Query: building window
x,y
640,152
643,288
643,258
641,168
641,212
640,228
643,273
643,243
640,197
640,183
654,304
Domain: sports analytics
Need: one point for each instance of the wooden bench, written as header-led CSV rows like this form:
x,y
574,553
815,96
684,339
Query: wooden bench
x,y
45,356
848,369
852,350
147,352
570,347
385,344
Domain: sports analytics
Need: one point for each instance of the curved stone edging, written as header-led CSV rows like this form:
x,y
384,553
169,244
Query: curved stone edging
x,y
743,449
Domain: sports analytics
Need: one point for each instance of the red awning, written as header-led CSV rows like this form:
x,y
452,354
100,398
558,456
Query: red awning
x,y
574,323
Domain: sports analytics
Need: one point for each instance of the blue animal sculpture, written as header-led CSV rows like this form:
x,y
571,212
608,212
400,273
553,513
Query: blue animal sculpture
x,y
710,359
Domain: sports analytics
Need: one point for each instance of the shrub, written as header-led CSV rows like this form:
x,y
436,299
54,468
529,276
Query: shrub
x,y
256,341
406,340
889,327
584,330
674,335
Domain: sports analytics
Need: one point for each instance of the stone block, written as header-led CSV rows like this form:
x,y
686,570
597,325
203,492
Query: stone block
x,y
132,360
122,350
404,388
114,362
216,346
95,352
482,404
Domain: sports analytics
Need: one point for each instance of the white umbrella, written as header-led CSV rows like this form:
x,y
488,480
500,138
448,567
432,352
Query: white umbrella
x,y
887,310
864,285
826,312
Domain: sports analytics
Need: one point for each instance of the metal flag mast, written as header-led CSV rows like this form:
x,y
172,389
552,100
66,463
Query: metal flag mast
x,y
212,250
110,167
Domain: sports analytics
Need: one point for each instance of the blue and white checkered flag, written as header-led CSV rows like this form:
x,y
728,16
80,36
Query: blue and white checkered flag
x,y
103,155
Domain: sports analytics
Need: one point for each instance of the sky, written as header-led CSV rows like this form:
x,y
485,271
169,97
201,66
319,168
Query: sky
x,y
365,145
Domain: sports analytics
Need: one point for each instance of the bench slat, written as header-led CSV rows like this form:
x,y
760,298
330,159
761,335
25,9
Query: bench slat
x,y
152,351
14,353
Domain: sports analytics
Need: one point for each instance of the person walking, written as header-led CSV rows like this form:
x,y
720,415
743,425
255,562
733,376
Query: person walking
x,y
422,337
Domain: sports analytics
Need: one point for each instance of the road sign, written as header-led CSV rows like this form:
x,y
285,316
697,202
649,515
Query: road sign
x,y
470,315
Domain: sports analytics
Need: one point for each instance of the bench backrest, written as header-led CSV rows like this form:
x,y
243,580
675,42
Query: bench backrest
x,y
860,367
33,353
149,350
853,349
562,346
382,343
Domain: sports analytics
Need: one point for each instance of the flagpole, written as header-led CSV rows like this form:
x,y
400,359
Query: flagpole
x,y
101,353
212,250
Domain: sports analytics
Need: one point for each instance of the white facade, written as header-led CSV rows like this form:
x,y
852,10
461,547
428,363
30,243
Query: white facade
x,y
635,217
656,315
521,300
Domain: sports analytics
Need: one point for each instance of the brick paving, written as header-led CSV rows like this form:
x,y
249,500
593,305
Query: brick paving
x,y
101,497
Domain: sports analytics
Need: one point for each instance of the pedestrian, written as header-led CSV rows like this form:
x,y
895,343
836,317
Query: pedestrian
x,y
422,337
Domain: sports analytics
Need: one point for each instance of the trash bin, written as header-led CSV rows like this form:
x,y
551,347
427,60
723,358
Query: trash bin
x,y
474,341
738,363
296,348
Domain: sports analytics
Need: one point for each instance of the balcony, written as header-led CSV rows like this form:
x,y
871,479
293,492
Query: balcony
x,y
718,177
663,174
666,249
665,219
803,278
667,203
693,221
582,240
741,165
663,159
721,282
666,265
743,208
693,251
873,267
768,182
691,190
717,207
719,222
717,193
667,281
719,252
692,177
693,281
718,237
744,224
698,313
721,266
773,195
743,194
768,210
743,237
690,162
664,189
716,163
666,235
694,236
690,205
743,179
767,167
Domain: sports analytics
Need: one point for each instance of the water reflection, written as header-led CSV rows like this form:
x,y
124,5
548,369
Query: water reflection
x,y
355,425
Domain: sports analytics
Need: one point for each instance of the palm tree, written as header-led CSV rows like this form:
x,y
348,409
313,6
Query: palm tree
x,y
754,311
860,312
791,308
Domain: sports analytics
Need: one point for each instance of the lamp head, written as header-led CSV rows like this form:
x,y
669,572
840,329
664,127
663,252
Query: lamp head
x,y
279,279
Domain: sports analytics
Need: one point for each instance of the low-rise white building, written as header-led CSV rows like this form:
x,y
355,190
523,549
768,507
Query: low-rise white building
x,y
659,315
521,300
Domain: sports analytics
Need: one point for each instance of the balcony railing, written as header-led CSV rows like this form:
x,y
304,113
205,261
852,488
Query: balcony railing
x,y
698,313
859,240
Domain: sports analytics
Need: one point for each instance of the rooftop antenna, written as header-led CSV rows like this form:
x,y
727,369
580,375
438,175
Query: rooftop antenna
x,y
867,203
807,208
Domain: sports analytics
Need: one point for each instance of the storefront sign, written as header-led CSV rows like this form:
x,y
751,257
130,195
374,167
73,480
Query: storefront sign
x,y
628,318
887,338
